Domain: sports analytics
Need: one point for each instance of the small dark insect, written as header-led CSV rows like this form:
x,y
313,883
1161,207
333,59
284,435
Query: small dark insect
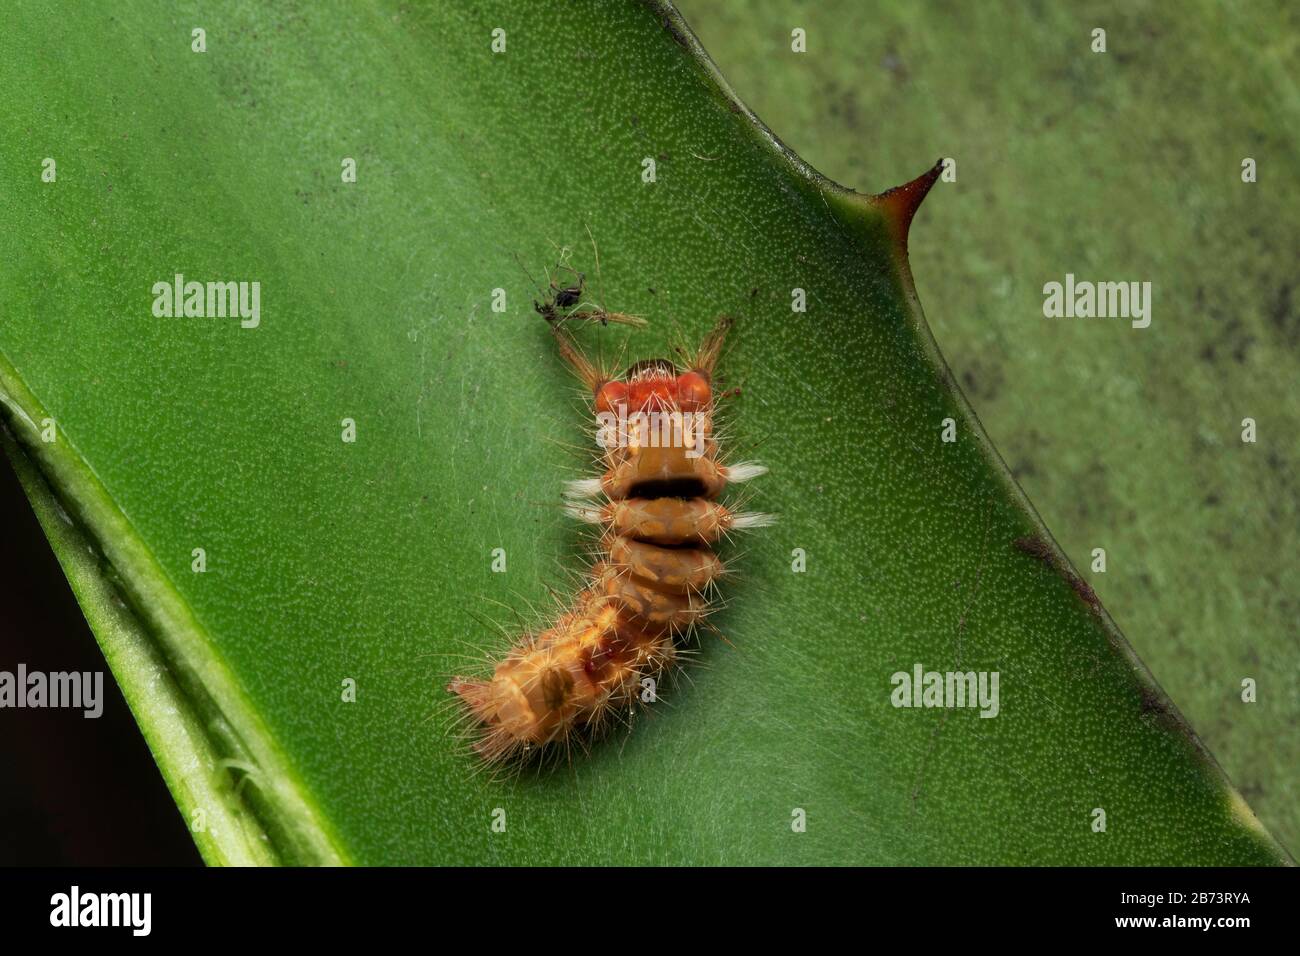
x,y
567,298
556,297
563,303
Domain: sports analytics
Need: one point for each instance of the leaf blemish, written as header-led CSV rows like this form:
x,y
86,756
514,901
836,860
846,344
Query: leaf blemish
x,y
1036,547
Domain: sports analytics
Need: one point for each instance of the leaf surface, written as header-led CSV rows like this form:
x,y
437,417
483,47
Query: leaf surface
x,y
328,561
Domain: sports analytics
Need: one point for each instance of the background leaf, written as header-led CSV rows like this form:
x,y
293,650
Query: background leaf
x,y
1125,165
370,560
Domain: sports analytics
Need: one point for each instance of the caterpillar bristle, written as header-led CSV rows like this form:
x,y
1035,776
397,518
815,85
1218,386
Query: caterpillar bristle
x,y
582,488
653,579
584,513
752,519
745,471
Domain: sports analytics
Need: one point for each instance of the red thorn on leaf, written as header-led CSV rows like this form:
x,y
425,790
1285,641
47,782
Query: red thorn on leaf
x,y
901,203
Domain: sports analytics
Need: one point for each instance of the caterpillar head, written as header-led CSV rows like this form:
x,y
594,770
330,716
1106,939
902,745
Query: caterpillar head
x,y
656,384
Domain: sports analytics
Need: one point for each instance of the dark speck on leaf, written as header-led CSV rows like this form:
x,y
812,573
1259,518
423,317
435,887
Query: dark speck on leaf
x,y
1034,546
676,34
1151,702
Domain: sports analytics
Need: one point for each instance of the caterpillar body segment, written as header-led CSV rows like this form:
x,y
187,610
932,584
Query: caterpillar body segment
x,y
570,675
668,521
679,570
656,505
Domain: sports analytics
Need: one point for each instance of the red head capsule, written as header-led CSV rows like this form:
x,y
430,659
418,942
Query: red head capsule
x,y
693,392
651,394
610,395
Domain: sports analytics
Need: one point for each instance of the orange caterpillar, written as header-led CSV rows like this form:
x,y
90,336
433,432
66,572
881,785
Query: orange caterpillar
x,y
657,503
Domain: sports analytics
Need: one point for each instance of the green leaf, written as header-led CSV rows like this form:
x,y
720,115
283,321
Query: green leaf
x,y
1123,439
328,560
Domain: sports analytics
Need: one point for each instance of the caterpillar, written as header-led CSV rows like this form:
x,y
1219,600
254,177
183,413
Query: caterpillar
x,y
657,512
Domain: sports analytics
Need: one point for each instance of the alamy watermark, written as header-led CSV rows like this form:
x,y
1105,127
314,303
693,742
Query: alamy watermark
x,y
78,690
656,429
133,911
208,300
951,689
1101,300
